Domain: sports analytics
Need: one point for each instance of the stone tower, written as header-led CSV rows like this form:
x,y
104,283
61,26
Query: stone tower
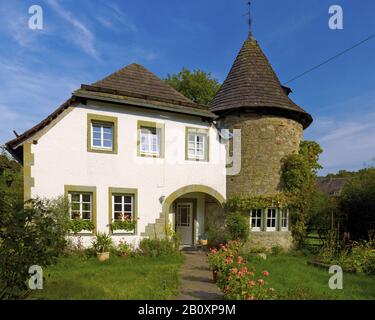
x,y
253,100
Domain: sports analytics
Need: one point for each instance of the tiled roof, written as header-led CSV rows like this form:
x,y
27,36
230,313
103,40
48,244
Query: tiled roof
x,y
252,83
137,79
331,186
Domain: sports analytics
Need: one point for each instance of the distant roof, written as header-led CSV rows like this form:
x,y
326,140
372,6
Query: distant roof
x,y
132,85
253,84
331,186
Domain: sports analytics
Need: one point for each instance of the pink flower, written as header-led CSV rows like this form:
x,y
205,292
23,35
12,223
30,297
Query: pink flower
x,y
261,281
265,273
250,273
250,298
251,283
239,259
244,270
235,270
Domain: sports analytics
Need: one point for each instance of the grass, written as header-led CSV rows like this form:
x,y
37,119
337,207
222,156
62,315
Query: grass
x,y
138,278
293,278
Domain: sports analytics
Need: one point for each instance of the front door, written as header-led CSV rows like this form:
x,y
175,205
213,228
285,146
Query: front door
x,y
184,222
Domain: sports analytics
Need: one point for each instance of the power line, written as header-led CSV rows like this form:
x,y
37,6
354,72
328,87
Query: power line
x,y
330,59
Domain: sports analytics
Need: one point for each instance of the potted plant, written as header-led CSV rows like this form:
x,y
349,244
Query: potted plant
x,y
102,244
203,241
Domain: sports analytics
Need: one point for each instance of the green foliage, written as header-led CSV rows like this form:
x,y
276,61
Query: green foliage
x,y
127,224
299,182
357,203
216,236
77,225
238,226
158,247
11,179
245,204
199,86
277,250
124,249
102,242
34,234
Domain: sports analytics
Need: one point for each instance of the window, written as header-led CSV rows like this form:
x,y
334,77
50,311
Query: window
x,y
256,219
284,220
150,139
123,206
271,220
197,144
101,134
80,205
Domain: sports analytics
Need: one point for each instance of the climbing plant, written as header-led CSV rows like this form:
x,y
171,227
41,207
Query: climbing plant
x,y
299,174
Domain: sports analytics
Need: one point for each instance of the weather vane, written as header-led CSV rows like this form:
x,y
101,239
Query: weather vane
x,y
250,21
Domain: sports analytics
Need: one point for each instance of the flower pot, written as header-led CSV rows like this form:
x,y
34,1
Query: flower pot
x,y
214,275
203,242
102,256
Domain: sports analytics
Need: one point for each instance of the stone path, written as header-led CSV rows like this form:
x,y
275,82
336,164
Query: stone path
x,y
196,278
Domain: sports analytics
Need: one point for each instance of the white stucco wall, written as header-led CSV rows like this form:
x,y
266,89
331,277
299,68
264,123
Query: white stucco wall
x,y
61,158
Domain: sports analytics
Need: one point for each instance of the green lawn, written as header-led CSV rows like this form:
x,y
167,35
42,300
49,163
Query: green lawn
x,y
140,278
293,278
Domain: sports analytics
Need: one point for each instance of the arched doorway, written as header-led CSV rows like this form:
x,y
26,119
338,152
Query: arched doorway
x,y
190,211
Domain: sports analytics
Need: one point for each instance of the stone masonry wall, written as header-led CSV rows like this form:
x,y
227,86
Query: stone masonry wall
x,y
265,140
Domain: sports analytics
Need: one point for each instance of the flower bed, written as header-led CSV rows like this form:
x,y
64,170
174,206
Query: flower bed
x,y
235,280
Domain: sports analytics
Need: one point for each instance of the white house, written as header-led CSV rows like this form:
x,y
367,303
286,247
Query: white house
x,y
128,146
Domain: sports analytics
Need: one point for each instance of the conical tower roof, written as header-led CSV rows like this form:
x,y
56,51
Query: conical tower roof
x,y
253,84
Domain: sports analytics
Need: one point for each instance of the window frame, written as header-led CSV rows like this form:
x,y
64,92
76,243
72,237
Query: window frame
x,y
267,228
256,229
113,191
282,218
206,146
151,125
102,139
70,189
104,121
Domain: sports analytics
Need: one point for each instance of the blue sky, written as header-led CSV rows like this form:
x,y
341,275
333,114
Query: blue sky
x,y
83,40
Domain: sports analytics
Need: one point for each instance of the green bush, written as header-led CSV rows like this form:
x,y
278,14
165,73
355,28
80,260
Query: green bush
x,y
157,247
277,250
30,234
238,226
102,242
124,249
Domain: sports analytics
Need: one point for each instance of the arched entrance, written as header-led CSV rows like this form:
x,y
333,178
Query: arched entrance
x,y
190,209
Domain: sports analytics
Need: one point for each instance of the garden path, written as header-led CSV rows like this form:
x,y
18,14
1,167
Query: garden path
x,y
196,278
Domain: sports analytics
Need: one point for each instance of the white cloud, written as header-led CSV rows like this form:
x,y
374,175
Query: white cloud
x,y
82,36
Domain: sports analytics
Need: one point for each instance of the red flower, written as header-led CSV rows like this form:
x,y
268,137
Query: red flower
x,y
265,273
239,259
261,281
235,270
251,283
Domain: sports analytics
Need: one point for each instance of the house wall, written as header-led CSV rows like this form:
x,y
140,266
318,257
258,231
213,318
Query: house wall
x,y
61,158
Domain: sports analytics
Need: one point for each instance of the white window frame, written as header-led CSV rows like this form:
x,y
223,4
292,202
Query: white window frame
x,y
123,203
284,217
256,219
268,218
193,153
102,126
149,140
81,202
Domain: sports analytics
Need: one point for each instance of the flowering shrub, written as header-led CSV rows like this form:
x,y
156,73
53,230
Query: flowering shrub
x,y
126,224
217,257
237,282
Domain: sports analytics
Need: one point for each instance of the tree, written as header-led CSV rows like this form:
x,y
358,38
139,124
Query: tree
x,y
199,86
30,234
299,174
357,203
